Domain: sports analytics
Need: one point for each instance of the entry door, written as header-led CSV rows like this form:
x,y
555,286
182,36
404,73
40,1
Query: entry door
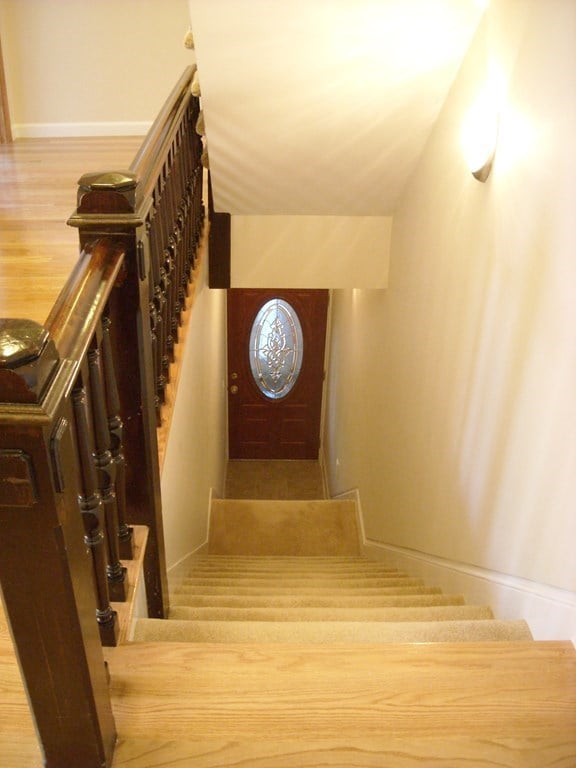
x,y
275,374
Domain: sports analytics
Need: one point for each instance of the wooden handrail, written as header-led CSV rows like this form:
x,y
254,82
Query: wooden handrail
x,y
72,321
150,157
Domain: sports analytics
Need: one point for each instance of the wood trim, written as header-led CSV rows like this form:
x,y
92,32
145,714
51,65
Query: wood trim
x,y
220,244
5,124
549,611
219,251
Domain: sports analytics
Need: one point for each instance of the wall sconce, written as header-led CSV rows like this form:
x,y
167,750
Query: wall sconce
x,y
480,134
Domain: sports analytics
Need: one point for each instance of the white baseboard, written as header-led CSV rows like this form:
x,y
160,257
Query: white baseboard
x,y
70,130
324,473
354,495
549,611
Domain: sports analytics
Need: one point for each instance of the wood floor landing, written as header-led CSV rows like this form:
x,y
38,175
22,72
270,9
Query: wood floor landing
x,y
511,705
38,184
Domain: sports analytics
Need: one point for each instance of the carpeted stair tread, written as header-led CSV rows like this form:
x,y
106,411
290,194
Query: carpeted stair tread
x,y
207,589
151,630
294,600
317,599
408,613
321,581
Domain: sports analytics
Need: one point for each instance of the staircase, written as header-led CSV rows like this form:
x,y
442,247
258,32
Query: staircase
x,y
286,648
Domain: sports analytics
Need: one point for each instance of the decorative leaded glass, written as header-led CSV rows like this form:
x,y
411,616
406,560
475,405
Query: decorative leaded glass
x,y
276,348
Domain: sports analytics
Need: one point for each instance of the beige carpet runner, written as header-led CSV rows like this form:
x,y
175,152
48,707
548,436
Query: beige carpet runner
x,y
291,572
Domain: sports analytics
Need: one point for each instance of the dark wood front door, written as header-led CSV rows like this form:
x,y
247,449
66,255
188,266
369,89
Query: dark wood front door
x,y
274,413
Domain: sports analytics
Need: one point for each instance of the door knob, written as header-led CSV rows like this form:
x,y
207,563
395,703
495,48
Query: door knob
x,y
233,389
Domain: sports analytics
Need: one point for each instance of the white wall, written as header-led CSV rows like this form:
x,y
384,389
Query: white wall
x,y
195,459
452,394
63,56
310,251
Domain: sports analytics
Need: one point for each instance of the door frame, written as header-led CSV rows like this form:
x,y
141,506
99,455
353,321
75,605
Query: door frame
x,y
5,124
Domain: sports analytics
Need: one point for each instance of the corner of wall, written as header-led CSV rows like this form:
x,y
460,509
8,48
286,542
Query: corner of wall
x,y
177,571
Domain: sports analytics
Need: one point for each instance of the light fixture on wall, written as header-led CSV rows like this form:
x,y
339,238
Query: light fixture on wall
x,y
480,134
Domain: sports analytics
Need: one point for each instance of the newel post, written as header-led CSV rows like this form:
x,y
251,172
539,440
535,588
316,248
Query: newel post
x,y
45,568
109,205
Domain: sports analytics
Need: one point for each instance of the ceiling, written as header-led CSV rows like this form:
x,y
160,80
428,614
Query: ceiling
x,y
323,106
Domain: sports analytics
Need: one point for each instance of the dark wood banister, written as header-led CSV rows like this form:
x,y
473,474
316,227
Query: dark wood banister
x,y
139,231
149,159
72,321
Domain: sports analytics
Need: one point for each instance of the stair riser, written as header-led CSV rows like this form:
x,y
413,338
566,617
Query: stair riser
x,y
283,590
287,582
315,602
434,613
485,630
216,599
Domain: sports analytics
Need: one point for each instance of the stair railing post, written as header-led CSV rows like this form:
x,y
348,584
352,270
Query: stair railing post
x,y
109,205
106,469
45,569
90,504
116,427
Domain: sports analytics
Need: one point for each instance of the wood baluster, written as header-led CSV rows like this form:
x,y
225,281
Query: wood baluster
x,y
182,268
196,192
163,324
161,286
198,211
116,428
91,509
106,477
196,150
157,303
191,247
156,327
188,174
181,216
172,264
156,364
186,252
168,295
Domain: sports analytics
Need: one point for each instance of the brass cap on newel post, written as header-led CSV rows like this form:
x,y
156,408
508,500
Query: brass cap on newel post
x,y
28,358
116,187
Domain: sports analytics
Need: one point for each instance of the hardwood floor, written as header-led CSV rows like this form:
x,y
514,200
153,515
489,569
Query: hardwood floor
x,y
38,183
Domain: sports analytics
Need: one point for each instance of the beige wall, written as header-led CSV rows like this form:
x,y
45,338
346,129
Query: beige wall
x,y
310,251
62,56
452,394
195,459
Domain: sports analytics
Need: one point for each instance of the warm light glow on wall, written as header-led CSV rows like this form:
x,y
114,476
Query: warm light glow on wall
x,y
480,126
479,135
517,139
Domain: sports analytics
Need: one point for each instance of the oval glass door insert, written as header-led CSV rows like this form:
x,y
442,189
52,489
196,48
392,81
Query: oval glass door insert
x,y
276,348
